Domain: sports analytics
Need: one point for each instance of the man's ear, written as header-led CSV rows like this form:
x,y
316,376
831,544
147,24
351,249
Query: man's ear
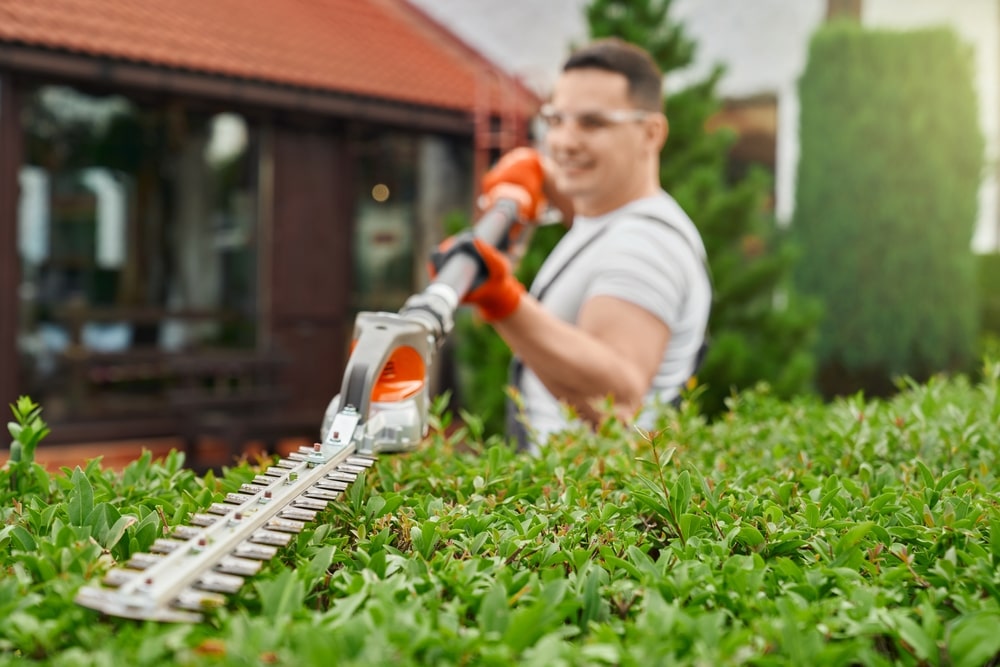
x,y
662,130
657,128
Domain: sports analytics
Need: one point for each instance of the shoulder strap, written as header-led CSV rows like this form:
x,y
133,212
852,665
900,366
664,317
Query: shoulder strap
x,y
671,226
540,294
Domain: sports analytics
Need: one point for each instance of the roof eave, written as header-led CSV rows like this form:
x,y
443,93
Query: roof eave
x,y
74,66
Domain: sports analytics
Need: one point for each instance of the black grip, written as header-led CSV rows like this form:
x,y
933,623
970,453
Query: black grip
x,y
460,270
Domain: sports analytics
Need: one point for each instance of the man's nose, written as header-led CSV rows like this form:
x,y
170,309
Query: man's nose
x,y
566,136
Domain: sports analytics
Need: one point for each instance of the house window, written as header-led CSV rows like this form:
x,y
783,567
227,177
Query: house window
x,y
386,227
137,237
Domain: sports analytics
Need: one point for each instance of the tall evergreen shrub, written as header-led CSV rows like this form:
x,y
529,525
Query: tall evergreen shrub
x,y
889,171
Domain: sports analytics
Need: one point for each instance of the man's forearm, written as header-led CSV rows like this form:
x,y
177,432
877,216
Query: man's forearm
x,y
575,366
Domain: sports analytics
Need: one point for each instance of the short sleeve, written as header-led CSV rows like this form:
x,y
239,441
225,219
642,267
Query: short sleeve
x,y
647,263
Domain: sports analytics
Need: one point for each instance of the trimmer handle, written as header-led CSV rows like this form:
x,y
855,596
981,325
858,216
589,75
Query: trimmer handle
x,y
494,227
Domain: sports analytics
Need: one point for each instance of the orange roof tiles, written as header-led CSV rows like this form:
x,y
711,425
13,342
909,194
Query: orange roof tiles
x,y
384,49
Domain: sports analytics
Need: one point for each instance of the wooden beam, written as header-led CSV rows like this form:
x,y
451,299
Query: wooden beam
x,y
10,263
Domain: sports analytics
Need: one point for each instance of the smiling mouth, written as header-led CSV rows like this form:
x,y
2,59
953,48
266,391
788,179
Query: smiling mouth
x,y
574,167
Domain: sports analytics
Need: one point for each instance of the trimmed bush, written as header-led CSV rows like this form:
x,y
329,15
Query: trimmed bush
x,y
886,203
787,533
989,293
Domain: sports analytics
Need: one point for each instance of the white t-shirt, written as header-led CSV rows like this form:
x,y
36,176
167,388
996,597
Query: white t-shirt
x,y
644,261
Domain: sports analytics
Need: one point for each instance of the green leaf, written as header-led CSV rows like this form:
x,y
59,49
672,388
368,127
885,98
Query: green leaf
x,y
924,647
995,539
852,537
680,494
926,474
974,639
750,536
23,538
282,596
592,602
81,499
494,612
117,531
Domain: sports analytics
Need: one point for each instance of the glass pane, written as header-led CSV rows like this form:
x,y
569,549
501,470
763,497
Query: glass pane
x,y
385,223
137,235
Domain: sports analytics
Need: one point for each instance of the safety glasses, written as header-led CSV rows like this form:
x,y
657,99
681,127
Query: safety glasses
x,y
591,121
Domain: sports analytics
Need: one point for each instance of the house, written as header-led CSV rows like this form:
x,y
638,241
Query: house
x,y
214,189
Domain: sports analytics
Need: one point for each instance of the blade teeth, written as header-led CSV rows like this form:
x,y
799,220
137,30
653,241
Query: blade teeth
x,y
239,566
332,485
298,514
203,519
220,508
220,583
143,561
192,600
271,538
322,494
186,532
358,460
227,576
310,503
119,577
285,525
165,545
255,551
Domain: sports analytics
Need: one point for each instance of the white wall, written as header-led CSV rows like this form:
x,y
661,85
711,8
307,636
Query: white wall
x,y
528,38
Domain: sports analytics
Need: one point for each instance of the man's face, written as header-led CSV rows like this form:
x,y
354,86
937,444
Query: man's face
x,y
603,149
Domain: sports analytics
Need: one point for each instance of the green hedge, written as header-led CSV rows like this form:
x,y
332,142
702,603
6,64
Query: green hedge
x,y
858,532
989,293
886,203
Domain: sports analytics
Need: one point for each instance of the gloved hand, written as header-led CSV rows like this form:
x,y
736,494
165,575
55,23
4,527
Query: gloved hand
x,y
496,292
519,176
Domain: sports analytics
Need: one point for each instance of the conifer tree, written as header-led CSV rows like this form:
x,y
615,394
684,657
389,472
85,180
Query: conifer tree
x,y
759,330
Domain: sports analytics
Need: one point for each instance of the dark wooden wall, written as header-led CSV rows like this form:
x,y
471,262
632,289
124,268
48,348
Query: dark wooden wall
x,y
10,162
309,263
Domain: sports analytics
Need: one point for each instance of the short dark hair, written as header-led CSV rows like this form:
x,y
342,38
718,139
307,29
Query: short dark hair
x,y
645,80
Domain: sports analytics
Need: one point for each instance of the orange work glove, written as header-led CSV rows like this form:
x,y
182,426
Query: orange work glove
x,y
519,176
495,292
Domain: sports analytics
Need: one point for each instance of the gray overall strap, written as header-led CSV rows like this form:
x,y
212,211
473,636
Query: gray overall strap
x,y
514,422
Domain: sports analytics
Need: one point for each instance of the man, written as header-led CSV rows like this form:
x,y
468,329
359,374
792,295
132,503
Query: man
x,y
621,305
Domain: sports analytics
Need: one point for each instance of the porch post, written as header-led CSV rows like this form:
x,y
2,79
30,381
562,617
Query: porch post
x,y
10,266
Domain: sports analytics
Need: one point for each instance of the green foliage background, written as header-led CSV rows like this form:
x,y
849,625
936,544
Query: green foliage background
x,y
887,194
989,291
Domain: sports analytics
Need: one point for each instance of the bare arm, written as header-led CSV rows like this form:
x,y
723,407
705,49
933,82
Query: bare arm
x,y
615,349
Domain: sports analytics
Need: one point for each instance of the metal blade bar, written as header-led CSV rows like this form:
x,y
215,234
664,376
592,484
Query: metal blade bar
x,y
168,577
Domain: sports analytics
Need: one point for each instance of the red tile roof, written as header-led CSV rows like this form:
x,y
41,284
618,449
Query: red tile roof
x,y
383,49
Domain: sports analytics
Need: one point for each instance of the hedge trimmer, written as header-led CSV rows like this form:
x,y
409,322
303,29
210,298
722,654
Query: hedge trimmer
x,y
382,407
